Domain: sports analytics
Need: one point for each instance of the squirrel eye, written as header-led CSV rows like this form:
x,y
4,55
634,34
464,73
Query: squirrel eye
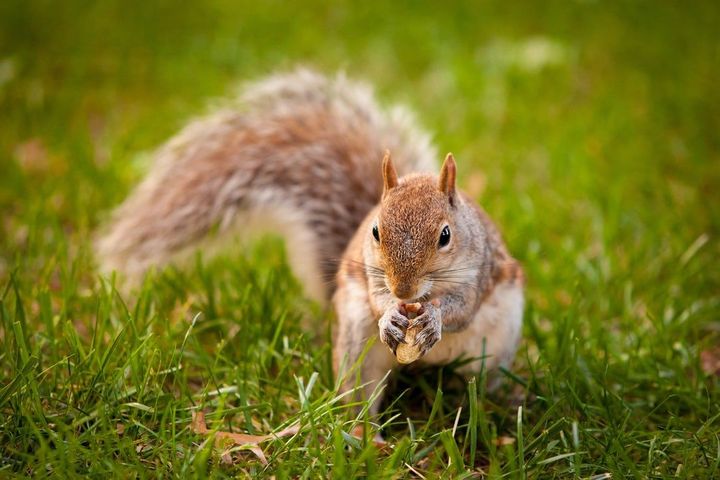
x,y
376,233
444,236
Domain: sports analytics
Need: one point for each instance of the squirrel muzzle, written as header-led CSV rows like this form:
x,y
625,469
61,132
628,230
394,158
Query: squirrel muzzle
x,y
405,288
404,292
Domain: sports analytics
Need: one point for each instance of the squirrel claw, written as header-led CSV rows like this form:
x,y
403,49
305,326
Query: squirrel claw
x,y
431,332
392,327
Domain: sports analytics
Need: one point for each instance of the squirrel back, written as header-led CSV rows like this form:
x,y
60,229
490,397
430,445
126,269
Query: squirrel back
x,y
298,154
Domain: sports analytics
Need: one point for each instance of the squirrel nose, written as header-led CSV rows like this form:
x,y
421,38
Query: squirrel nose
x,y
404,292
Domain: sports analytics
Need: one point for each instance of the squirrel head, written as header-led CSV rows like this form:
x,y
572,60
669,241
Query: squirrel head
x,y
421,231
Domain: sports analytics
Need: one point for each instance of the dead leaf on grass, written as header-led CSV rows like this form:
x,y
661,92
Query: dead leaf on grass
x,y
32,155
710,361
250,442
379,442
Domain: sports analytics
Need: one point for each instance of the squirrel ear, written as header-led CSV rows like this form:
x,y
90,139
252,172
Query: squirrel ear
x,y
447,177
390,179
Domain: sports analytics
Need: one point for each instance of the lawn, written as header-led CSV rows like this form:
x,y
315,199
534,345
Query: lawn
x,y
589,130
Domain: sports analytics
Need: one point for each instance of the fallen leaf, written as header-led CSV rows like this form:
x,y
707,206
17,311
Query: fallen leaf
x,y
359,433
226,458
249,442
32,155
710,361
141,447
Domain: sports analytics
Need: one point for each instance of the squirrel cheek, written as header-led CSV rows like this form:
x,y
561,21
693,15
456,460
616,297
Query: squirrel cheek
x,y
424,288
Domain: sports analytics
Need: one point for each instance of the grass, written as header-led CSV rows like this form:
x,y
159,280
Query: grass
x,y
588,130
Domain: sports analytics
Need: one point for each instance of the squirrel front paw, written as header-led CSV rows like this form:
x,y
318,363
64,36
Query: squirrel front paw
x,y
429,323
392,328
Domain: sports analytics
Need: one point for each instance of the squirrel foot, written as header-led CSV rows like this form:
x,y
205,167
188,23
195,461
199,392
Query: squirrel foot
x,y
430,327
392,328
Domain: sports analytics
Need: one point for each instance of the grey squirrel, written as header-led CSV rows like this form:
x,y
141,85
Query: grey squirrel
x,y
307,156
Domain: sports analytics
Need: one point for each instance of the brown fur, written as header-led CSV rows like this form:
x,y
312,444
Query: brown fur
x,y
407,264
302,140
302,154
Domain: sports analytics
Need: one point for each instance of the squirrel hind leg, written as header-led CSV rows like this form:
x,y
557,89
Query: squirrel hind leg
x,y
492,338
362,370
370,381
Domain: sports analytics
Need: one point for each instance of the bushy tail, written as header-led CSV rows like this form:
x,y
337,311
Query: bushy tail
x,y
297,153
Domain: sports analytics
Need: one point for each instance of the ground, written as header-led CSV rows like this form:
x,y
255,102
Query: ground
x,y
588,130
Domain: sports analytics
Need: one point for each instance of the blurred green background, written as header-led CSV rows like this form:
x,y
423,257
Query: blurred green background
x,y
569,100
589,130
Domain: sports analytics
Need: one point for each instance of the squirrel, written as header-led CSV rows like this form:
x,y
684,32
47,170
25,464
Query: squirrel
x,y
307,156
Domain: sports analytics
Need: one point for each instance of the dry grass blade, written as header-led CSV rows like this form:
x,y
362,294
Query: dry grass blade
x,y
251,442
502,440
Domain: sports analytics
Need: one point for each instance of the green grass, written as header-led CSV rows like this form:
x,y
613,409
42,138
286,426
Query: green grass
x,y
589,131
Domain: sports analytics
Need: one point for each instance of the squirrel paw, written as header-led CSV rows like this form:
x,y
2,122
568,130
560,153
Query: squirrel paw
x,y
392,328
430,322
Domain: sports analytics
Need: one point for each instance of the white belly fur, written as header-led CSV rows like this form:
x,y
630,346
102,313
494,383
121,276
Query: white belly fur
x,y
498,322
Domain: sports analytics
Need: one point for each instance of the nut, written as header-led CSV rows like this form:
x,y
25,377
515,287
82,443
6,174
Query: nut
x,y
408,352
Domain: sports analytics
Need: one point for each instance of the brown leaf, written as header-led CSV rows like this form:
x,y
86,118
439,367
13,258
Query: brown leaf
x,y
32,155
251,442
141,447
710,361
379,442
